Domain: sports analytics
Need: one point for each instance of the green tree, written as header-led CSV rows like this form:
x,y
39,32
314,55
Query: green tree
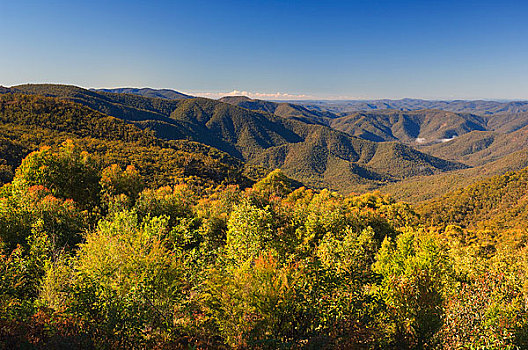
x,y
124,281
414,272
69,173
275,183
115,181
249,231
21,210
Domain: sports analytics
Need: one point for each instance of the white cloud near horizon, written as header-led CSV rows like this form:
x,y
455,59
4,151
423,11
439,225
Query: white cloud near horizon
x,y
255,95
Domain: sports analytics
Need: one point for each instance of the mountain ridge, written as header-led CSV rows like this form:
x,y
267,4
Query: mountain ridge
x,y
168,94
281,109
480,107
247,134
33,121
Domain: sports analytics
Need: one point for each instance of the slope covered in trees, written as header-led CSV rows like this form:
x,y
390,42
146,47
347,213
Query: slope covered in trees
x,y
470,139
263,139
477,148
29,122
329,159
147,92
480,107
423,188
319,156
497,203
306,151
461,137
416,127
92,258
122,106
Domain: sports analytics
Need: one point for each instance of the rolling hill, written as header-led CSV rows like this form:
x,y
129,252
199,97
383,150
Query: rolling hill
x,y
122,106
500,202
507,122
328,159
479,148
414,127
463,137
480,107
311,153
423,188
281,109
147,92
426,126
28,122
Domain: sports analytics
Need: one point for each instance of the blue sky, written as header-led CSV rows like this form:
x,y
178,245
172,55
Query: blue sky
x,y
272,49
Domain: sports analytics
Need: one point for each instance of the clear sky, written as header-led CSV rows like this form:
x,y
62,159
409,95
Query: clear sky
x,y
272,49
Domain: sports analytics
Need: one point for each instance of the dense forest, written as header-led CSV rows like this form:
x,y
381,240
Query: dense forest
x,y
316,155
114,238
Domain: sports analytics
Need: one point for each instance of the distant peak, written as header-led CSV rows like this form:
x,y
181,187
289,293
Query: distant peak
x,y
148,92
232,99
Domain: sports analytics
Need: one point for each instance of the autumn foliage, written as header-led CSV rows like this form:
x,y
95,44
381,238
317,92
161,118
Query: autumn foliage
x,y
93,257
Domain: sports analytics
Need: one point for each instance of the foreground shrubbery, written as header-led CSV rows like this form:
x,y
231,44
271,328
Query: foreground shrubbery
x,y
92,259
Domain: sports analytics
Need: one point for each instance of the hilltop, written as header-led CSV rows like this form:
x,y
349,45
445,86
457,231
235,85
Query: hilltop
x,y
148,92
281,109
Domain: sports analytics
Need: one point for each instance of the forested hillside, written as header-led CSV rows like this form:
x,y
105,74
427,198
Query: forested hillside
x,y
146,92
477,148
480,107
477,134
313,154
30,122
421,188
122,106
129,222
93,258
415,127
302,150
279,137
497,203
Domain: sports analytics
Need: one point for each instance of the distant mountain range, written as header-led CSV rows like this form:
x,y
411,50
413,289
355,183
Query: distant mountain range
x,y
481,107
472,139
414,154
314,154
281,109
419,127
147,92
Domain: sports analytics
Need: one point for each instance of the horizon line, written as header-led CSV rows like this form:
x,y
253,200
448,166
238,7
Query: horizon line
x,y
281,96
